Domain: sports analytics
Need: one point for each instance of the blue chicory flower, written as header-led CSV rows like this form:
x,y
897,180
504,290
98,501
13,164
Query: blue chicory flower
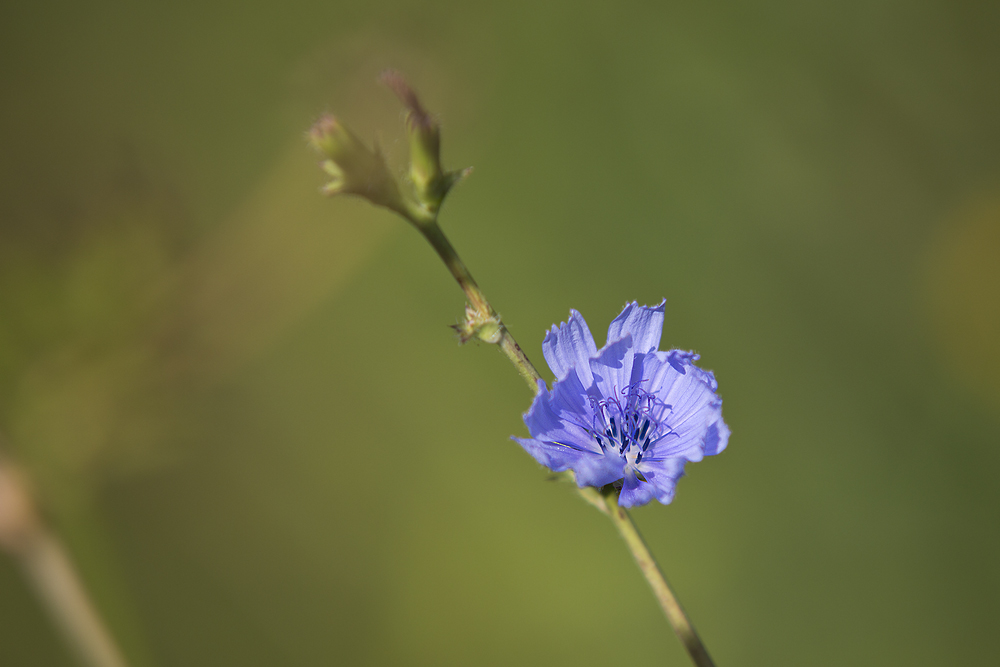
x,y
626,413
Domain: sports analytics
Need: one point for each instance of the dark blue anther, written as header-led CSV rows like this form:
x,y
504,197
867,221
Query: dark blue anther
x,y
645,427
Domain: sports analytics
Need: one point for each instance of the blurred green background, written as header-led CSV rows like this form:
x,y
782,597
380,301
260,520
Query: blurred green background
x,y
242,408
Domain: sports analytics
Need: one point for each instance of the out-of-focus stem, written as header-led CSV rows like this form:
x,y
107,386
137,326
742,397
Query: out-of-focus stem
x,y
661,589
48,569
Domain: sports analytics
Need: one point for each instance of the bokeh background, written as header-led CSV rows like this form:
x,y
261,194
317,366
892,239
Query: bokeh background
x,y
242,409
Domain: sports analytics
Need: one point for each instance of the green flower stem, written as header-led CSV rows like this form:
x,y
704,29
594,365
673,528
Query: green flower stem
x,y
432,232
517,357
606,502
477,300
661,589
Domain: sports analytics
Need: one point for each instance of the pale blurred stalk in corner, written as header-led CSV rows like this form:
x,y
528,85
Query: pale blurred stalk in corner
x,y
187,320
47,567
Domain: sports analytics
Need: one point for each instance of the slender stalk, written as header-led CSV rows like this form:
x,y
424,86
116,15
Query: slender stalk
x,y
432,232
661,589
517,357
49,571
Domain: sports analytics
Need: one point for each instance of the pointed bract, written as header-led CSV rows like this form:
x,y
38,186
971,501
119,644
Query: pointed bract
x,y
430,181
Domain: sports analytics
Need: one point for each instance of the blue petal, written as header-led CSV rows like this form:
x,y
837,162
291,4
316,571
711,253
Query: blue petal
x,y
716,438
555,455
684,361
663,476
540,418
558,423
570,346
644,323
591,468
593,471
547,419
612,369
681,360
695,411
569,399
635,491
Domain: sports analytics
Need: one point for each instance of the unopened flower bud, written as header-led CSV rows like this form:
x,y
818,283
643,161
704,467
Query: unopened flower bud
x,y
430,180
353,167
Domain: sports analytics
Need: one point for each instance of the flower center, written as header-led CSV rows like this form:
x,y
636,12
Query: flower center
x,y
630,423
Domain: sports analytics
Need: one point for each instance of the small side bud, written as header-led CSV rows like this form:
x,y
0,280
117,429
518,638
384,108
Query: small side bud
x,y
430,181
353,167
479,325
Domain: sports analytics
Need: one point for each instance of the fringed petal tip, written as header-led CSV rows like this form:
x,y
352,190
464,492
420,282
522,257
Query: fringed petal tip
x,y
570,345
644,323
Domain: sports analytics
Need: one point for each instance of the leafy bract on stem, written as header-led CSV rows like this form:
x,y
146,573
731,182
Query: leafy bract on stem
x,y
356,169
431,182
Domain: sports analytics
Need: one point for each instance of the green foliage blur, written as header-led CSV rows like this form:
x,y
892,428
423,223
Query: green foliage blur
x,y
242,408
